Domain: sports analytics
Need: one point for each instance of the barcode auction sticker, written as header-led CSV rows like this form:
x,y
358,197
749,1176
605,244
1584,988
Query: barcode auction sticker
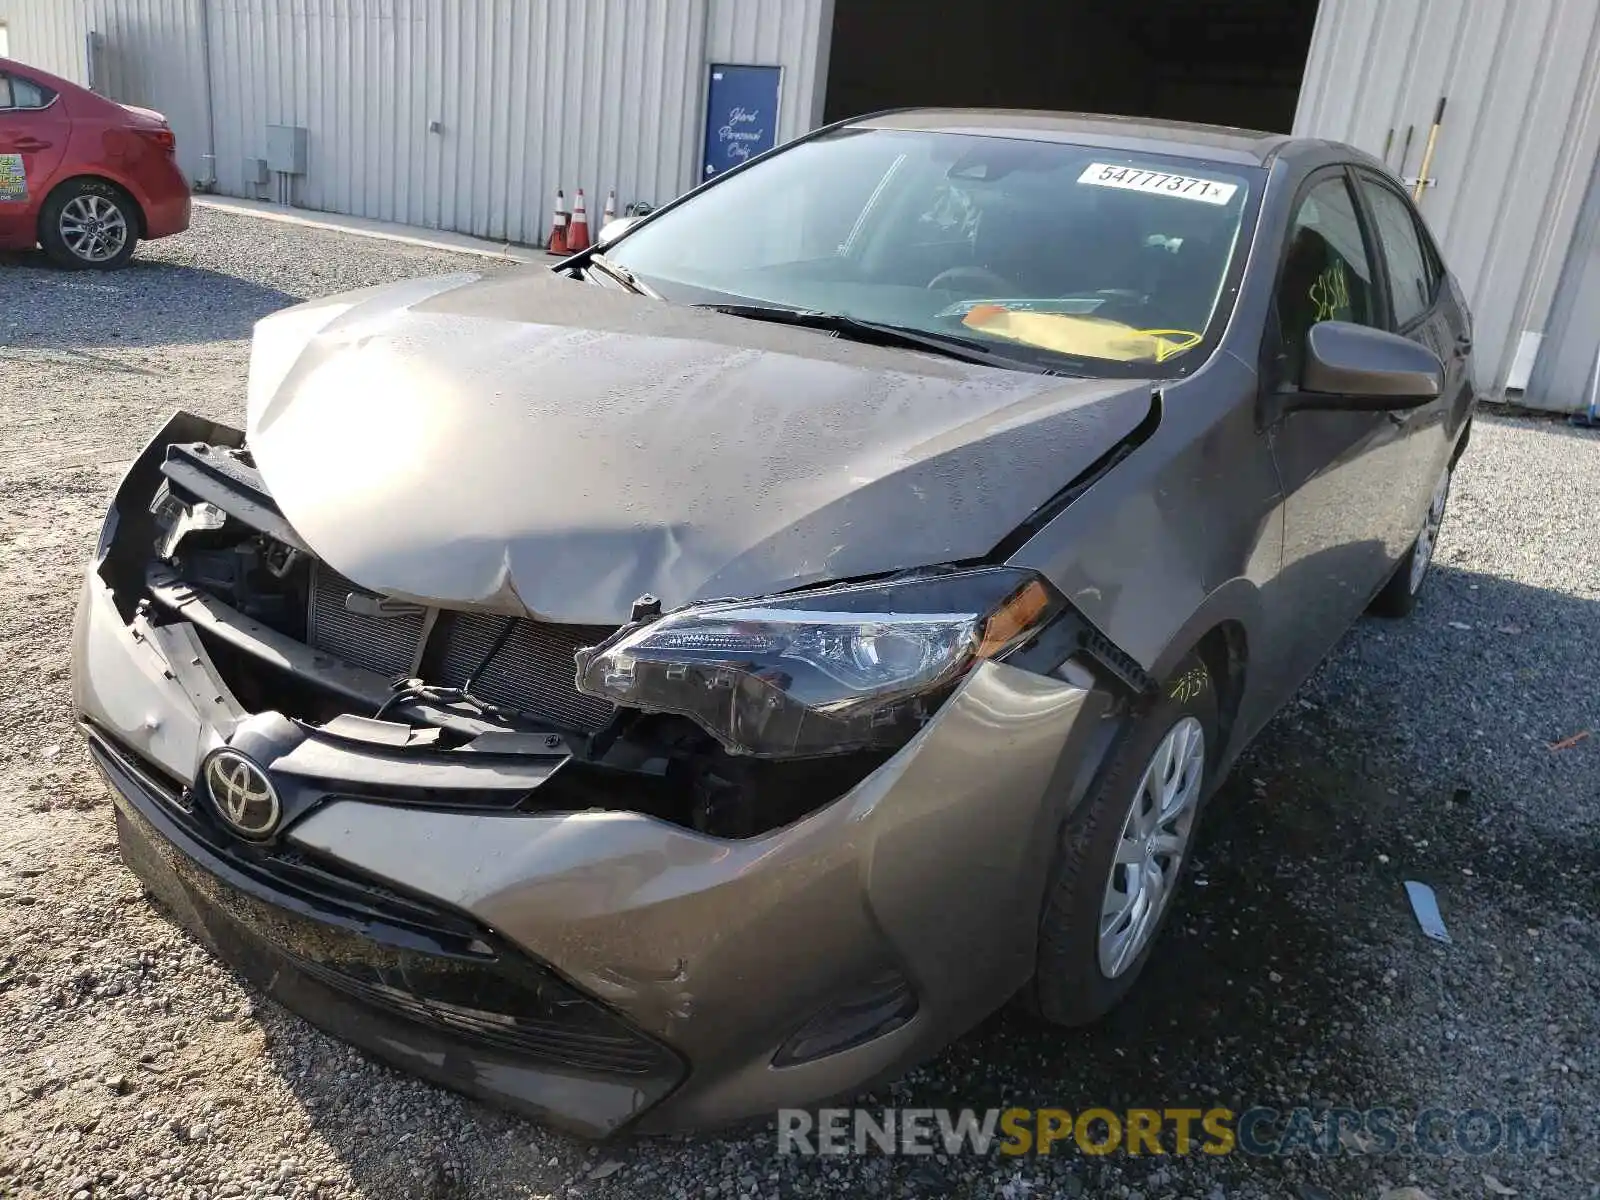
x,y
1163,183
13,178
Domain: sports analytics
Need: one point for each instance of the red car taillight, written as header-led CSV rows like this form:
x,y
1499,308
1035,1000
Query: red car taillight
x,y
161,137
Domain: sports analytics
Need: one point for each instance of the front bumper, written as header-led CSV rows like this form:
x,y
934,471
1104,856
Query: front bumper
x,y
715,953
422,988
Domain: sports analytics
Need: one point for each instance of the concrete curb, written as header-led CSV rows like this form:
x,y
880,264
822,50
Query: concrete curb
x,y
409,235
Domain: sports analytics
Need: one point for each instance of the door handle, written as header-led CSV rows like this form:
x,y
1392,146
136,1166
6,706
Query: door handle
x,y
29,145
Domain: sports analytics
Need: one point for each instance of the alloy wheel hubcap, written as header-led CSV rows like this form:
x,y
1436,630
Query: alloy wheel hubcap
x,y
93,228
1155,837
1429,537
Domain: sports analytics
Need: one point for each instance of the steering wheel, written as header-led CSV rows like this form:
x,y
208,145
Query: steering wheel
x,y
981,279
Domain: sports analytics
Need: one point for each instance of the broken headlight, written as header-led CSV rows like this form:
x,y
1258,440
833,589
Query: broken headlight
x,y
176,518
823,672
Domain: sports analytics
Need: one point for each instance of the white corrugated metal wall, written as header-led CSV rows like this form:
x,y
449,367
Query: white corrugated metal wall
x,y
528,95
1566,376
532,94
150,55
1518,141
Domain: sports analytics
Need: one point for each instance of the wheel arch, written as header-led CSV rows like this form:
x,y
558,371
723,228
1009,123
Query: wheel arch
x,y
95,177
1219,633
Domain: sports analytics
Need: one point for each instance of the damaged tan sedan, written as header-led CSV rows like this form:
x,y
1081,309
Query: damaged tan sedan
x,y
711,674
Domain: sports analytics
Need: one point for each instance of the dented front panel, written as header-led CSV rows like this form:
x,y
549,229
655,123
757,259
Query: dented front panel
x,y
724,948
720,948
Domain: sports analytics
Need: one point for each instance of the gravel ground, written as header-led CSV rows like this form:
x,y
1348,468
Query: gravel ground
x,y
133,1065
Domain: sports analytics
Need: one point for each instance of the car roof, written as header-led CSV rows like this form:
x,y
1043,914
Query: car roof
x,y
1218,143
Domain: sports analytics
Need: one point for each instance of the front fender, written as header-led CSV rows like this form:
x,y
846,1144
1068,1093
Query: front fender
x,y
1237,601
1189,525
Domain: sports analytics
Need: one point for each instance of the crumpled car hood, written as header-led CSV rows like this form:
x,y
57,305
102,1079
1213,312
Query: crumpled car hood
x,y
543,447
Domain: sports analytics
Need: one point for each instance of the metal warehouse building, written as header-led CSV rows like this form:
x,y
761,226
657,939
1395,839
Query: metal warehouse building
x,y
468,114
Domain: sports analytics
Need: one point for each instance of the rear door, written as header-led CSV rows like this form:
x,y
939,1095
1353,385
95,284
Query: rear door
x,y
1420,309
34,130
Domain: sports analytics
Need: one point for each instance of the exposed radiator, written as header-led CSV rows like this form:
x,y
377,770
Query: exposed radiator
x,y
533,672
386,644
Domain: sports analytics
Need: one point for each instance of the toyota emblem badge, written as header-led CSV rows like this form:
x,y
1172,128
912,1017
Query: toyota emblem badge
x,y
242,795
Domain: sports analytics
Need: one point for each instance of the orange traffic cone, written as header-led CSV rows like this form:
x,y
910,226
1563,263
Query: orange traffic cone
x,y
578,233
558,226
610,214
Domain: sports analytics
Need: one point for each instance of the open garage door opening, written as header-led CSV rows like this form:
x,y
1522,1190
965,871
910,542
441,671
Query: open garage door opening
x,y
1225,62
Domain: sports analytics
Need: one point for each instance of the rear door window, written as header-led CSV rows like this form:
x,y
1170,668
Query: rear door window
x,y
1413,280
19,93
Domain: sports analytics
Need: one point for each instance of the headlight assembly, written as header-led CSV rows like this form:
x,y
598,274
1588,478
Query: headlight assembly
x,y
824,672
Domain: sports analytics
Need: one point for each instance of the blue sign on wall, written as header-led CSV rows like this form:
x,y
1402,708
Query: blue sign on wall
x,y
741,115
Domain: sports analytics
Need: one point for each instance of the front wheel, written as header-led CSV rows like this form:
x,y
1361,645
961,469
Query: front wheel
x,y
1123,851
1404,589
89,224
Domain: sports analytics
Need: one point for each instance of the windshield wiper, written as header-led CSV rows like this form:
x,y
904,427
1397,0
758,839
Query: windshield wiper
x,y
620,274
878,334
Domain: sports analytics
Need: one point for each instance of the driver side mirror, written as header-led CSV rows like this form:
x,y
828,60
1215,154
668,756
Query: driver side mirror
x,y
613,229
1355,368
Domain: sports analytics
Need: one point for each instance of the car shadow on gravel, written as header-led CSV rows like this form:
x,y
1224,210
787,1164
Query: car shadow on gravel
x,y
1276,982
146,303
1276,973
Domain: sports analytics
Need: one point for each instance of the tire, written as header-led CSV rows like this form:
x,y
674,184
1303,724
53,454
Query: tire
x,y
1400,595
1073,981
89,224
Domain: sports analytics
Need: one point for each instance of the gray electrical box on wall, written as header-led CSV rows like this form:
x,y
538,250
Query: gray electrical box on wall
x,y
286,149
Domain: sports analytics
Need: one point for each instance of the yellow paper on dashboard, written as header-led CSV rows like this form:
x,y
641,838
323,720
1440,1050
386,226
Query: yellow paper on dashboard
x,y
1080,336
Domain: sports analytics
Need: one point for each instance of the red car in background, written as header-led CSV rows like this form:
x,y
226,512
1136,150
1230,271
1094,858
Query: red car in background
x,y
83,176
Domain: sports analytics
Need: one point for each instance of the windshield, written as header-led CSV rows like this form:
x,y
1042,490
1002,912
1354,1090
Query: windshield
x,y
1096,260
